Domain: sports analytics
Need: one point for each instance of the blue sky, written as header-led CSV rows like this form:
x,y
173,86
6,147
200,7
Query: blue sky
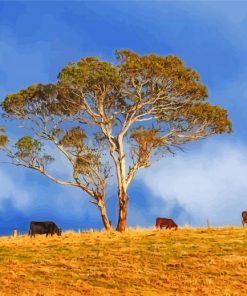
x,y
208,181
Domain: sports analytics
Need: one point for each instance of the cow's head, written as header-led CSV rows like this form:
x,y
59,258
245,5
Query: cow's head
x,y
59,231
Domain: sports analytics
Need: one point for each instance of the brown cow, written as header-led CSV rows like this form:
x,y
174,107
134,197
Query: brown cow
x,y
244,216
165,222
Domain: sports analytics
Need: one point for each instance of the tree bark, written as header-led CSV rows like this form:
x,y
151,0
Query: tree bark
x,y
104,217
122,188
122,211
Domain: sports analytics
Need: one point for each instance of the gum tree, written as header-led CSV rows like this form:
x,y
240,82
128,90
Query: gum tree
x,y
137,109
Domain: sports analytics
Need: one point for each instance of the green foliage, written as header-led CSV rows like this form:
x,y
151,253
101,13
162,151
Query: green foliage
x,y
142,135
74,138
146,140
3,138
13,104
28,145
3,141
84,163
90,74
160,73
91,78
96,91
215,117
39,100
29,151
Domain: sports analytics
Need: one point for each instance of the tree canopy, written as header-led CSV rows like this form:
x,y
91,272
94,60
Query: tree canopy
x,y
129,111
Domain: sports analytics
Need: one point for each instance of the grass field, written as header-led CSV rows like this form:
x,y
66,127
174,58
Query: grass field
x,y
189,261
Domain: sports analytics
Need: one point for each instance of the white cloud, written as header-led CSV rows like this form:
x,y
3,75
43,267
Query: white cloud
x,y
13,191
36,197
208,184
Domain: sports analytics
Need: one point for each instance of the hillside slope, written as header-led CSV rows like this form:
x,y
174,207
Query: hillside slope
x,y
139,262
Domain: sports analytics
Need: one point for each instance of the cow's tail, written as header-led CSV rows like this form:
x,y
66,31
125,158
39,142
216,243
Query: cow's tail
x,y
29,232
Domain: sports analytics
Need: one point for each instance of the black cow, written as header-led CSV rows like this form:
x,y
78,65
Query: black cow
x,y
244,217
44,227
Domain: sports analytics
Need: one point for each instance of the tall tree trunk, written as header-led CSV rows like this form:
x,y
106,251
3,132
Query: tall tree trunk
x,y
122,211
104,217
122,188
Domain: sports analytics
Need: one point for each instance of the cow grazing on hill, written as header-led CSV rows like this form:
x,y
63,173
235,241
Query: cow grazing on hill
x,y
44,227
165,222
244,217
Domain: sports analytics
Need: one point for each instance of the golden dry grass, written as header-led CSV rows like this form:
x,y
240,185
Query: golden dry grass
x,y
189,261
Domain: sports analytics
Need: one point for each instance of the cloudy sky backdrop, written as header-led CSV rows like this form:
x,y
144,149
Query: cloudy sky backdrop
x,y
208,180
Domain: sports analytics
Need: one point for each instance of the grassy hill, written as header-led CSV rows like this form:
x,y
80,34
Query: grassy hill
x,y
139,262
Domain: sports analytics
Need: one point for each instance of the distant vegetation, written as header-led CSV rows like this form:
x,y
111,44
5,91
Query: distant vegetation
x,y
188,261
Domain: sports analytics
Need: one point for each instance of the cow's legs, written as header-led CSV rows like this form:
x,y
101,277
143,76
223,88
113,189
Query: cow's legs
x,y
243,222
158,226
